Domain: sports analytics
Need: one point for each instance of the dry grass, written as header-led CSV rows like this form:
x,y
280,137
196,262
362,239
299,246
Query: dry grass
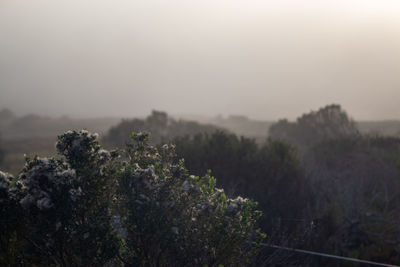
x,y
16,148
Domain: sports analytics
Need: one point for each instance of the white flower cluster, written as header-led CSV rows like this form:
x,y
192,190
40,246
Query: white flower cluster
x,y
75,143
190,186
42,180
5,179
186,186
146,176
236,204
168,150
117,226
75,193
104,155
217,193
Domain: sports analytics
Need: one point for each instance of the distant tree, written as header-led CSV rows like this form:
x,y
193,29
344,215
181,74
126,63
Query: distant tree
x,y
229,157
6,115
326,123
162,128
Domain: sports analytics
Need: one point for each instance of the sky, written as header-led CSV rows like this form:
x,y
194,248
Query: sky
x,y
261,58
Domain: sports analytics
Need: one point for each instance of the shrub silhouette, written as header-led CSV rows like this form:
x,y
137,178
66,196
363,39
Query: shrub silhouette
x,y
326,123
162,128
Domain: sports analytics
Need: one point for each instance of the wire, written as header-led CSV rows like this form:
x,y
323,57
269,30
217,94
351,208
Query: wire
x,y
325,255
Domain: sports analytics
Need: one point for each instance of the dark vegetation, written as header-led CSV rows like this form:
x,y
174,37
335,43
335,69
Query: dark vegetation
x,y
356,181
320,183
310,129
91,207
268,173
323,183
240,125
161,127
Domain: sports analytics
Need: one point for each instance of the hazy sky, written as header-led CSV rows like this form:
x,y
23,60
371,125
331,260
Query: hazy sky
x,y
266,59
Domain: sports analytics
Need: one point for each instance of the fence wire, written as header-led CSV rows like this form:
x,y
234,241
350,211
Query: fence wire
x,y
372,263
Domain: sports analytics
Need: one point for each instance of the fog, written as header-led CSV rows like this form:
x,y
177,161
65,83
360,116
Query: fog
x,y
263,59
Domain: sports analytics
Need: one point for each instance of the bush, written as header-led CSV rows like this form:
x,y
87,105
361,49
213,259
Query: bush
x,y
270,173
91,207
176,219
66,204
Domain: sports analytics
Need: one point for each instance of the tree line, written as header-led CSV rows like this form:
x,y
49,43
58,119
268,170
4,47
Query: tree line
x,y
319,183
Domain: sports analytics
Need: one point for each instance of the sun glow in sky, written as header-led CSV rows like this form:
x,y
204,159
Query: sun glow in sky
x,y
264,59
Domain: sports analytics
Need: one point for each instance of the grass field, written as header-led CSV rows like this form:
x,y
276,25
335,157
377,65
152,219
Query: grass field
x,y
16,148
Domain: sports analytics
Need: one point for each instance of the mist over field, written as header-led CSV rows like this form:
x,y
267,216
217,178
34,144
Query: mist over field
x,y
263,59
212,133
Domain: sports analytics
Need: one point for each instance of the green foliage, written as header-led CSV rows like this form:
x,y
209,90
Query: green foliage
x,y
176,219
62,207
89,207
67,203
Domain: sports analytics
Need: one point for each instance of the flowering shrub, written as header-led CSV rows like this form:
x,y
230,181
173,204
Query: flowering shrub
x,y
91,207
66,204
176,219
63,206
